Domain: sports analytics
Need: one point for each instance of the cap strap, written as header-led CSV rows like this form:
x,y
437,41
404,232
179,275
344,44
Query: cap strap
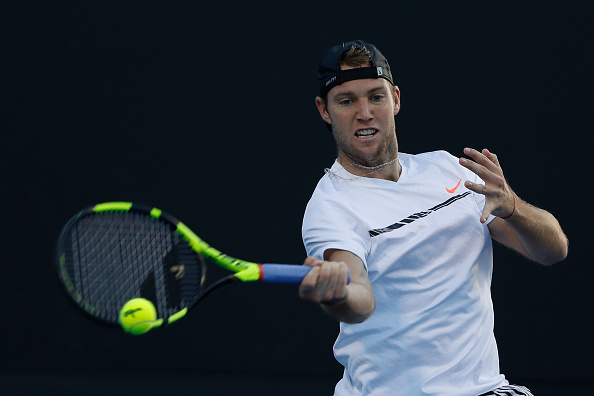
x,y
357,73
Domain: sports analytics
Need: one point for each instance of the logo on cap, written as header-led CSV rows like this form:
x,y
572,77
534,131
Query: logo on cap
x,y
380,71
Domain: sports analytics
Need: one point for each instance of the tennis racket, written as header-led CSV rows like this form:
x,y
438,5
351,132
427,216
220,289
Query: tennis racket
x,y
113,252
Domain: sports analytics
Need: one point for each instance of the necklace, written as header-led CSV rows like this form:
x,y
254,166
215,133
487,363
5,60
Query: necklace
x,y
371,169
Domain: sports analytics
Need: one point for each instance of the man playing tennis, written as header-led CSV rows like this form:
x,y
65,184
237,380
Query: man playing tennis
x,y
415,232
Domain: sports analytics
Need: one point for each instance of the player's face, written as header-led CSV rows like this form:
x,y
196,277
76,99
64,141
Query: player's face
x,y
361,113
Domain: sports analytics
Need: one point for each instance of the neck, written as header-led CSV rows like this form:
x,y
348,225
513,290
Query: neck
x,y
389,170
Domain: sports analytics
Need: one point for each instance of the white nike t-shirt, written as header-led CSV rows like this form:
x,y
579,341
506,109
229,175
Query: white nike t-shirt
x,y
429,260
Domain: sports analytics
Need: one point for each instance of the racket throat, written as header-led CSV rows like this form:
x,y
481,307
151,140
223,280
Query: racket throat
x,y
217,285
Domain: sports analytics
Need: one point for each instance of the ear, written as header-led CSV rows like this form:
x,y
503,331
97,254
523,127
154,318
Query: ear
x,y
396,93
323,110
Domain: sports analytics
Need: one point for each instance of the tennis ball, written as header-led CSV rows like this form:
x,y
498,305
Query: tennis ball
x,y
138,316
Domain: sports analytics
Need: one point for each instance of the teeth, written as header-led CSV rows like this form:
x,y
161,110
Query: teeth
x,y
366,132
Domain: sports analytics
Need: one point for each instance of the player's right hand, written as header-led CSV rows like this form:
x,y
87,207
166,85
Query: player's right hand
x,y
326,283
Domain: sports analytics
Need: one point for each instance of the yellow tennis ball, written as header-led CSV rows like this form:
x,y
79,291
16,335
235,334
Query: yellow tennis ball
x,y
138,316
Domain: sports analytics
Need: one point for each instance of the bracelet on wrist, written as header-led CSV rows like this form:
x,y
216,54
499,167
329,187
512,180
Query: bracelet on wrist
x,y
513,211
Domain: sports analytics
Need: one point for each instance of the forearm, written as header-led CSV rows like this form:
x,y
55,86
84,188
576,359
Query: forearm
x,y
356,308
525,228
347,301
539,233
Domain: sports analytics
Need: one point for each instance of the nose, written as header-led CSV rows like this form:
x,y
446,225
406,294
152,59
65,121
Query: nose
x,y
364,110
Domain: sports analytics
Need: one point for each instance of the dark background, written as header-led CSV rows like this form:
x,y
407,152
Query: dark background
x,y
207,111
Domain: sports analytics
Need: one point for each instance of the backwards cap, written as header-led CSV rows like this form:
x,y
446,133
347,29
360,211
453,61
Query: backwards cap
x,y
330,75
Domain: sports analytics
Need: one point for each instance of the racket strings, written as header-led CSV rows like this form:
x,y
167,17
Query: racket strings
x,y
116,256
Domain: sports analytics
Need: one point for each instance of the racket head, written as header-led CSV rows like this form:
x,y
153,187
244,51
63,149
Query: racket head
x,y
110,253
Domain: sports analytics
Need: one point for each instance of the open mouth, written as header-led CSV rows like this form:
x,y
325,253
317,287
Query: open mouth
x,y
366,133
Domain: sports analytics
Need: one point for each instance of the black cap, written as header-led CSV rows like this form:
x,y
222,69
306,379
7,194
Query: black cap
x,y
330,75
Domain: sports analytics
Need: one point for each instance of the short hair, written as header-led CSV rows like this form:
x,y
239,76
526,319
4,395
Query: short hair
x,y
355,57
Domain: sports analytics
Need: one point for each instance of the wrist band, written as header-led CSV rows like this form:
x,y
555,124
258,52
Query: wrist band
x,y
513,211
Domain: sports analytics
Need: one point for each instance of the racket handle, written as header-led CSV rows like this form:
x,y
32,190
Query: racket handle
x,y
287,273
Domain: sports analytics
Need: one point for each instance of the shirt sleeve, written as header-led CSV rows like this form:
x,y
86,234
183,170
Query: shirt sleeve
x,y
328,224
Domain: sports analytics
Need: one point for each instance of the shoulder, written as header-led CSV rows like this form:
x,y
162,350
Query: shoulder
x,y
328,194
431,160
331,200
439,156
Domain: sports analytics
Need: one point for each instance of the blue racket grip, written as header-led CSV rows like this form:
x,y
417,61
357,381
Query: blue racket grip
x,y
287,273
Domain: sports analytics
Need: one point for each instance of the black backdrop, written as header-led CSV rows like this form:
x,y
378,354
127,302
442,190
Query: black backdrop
x,y
208,113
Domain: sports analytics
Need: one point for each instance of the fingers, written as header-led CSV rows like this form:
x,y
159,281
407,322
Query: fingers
x,y
498,196
482,189
484,157
492,157
487,168
312,261
326,282
485,164
487,210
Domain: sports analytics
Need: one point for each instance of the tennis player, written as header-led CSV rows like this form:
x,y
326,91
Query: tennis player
x,y
415,232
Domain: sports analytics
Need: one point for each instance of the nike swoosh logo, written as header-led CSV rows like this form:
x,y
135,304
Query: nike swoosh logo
x,y
452,190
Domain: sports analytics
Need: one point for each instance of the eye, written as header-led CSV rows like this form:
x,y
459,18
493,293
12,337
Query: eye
x,y
377,98
345,102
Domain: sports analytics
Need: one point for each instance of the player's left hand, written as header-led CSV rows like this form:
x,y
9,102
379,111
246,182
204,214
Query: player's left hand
x,y
499,197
